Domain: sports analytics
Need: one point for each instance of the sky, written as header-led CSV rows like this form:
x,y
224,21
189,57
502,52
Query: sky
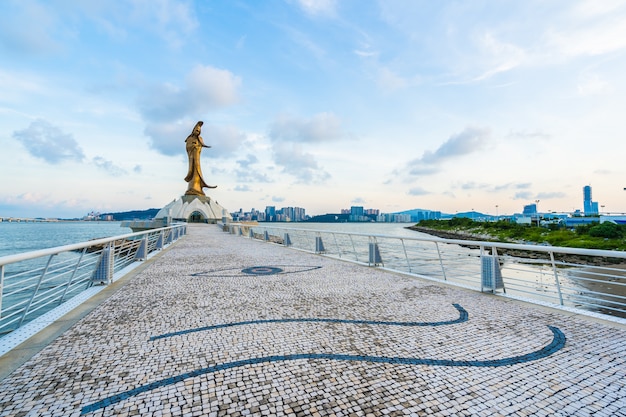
x,y
445,105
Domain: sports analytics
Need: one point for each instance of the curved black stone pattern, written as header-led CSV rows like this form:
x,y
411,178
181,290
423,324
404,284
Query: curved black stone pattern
x,y
256,270
462,318
558,341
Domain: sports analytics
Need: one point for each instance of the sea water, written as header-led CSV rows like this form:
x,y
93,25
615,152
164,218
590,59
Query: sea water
x,y
20,237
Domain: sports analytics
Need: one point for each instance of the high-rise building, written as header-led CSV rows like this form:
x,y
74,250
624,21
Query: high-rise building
x,y
270,213
589,206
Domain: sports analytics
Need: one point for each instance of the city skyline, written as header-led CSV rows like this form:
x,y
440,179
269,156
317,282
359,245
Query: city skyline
x,y
392,104
590,208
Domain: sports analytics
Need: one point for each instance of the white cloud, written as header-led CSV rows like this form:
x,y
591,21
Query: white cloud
x,y
318,7
172,21
551,195
19,35
417,191
523,195
206,88
243,188
591,84
590,28
468,141
250,160
390,81
301,165
169,138
499,55
224,140
45,141
528,134
108,166
322,127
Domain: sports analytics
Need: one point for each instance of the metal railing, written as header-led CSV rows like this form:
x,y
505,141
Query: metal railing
x,y
588,279
34,283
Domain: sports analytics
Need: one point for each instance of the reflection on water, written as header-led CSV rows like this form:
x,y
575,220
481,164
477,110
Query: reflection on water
x,y
608,281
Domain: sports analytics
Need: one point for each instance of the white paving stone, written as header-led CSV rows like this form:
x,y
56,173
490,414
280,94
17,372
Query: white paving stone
x,y
199,283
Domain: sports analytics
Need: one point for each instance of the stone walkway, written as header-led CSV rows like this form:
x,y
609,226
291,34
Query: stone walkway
x,y
222,325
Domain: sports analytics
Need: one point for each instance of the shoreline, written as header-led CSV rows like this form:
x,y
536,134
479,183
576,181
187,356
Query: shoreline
x,y
462,235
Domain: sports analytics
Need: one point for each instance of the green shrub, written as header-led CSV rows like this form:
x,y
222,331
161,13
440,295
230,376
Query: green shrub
x,y
607,230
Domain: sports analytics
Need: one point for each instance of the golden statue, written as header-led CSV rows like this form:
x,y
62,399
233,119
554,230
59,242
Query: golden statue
x,y
194,175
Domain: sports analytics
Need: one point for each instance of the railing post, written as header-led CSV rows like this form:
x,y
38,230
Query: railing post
x,y
319,245
287,240
266,236
104,271
443,270
408,263
160,240
35,291
142,251
556,278
374,254
69,281
356,255
1,286
490,275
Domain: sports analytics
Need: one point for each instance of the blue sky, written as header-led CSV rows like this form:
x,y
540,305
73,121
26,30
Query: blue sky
x,y
442,105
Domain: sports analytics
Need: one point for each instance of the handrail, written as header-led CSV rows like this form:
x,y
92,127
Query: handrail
x,y
4,260
537,248
28,289
580,283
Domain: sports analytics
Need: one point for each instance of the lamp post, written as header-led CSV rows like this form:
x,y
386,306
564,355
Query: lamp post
x,y
496,212
537,209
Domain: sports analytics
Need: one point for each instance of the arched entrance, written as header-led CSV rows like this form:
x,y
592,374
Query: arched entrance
x,y
196,217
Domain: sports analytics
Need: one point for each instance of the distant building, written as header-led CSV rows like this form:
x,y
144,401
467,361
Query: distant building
x,y
530,210
590,208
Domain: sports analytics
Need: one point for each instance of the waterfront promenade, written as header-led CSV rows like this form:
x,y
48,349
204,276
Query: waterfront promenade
x,y
223,325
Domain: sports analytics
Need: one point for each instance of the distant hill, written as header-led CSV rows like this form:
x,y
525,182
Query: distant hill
x,y
412,211
468,214
134,214
329,218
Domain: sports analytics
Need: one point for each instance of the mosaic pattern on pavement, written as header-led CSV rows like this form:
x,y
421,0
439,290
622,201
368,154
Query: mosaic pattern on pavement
x,y
193,335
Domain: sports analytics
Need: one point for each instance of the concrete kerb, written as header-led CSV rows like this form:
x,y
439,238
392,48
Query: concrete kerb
x,y
42,333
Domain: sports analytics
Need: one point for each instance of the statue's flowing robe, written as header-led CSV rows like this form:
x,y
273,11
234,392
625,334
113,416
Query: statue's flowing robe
x,y
194,174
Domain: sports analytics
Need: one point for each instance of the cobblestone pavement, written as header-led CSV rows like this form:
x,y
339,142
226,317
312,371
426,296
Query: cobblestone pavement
x,y
223,325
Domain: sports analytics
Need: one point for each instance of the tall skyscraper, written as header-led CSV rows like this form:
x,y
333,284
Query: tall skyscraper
x,y
589,207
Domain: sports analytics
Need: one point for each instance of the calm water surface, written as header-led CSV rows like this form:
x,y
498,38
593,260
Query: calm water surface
x,y
25,237
394,229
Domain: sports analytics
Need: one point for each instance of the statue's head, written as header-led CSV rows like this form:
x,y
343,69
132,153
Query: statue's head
x,y
196,128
